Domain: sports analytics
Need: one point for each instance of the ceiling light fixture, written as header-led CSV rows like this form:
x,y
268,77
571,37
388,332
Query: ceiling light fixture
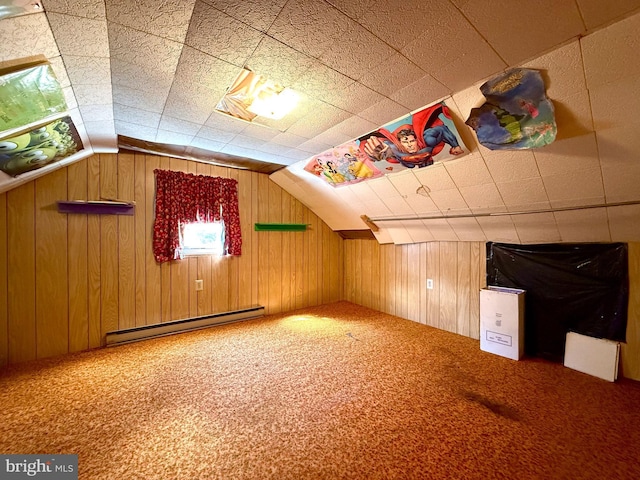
x,y
253,95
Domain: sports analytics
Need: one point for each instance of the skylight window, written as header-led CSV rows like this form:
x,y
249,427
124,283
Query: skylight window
x,y
253,95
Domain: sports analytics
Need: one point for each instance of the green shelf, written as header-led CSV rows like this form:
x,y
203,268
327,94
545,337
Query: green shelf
x,y
280,227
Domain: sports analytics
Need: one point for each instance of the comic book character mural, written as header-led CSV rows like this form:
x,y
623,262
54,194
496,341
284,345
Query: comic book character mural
x,y
517,113
413,141
343,165
40,146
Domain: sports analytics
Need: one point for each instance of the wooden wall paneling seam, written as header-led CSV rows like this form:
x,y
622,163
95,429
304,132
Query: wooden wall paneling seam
x,y
140,239
433,295
108,248
94,256
77,247
52,277
474,295
413,282
255,243
4,307
422,283
192,265
204,262
463,295
21,277
126,244
448,286
263,243
286,249
153,271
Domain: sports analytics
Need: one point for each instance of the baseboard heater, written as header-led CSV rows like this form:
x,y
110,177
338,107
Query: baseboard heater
x,y
118,337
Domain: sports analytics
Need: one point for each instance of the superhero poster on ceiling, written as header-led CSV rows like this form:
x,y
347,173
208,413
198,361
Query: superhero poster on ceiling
x,y
39,146
414,141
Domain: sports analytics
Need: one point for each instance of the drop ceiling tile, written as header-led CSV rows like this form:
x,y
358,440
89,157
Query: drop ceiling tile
x,y
549,23
575,187
356,98
392,74
355,10
226,123
383,236
363,191
173,138
397,205
79,36
449,200
424,91
196,67
293,155
583,225
88,70
469,170
70,97
441,230
453,52
355,126
537,228
612,105
259,132
499,229
525,194
435,178
218,135
179,126
623,223
155,54
220,35
322,83
418,231
84,8
135,115
93,94
383,187
60,71
468,98
405,182
279,62
102,136
19,39
309,26
151,101
288,139
618,149
137,77
511,165
97,112
332,136
562,70
314,147
399,234
183,105
383,112
573,115
165,19
422,205
257,13
467,229
482,197
596,13
568,156
607,52
136,131
320,120
206,144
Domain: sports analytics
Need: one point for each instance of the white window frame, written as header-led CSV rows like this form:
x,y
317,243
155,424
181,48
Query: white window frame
x,y
193,234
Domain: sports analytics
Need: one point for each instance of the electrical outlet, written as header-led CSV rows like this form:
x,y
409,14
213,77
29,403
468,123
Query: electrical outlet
x,y
430,283
199,285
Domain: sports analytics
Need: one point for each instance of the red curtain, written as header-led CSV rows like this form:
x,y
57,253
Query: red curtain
x,y
186,198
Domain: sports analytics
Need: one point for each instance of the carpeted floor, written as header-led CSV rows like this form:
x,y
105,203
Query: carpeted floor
x,y
331,392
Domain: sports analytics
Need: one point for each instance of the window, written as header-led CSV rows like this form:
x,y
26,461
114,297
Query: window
x,y
202,238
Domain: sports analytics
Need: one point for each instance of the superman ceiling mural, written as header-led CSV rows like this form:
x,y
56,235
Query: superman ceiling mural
x,y
414,141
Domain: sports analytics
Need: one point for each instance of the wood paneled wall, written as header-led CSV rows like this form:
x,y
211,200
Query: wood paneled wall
x,y
67,280
393,279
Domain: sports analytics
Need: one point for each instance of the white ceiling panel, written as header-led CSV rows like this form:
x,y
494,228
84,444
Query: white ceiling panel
x,y
623,223
162,68
467,229
584,226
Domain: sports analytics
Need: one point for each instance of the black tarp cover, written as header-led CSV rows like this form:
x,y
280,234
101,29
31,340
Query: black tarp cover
x,y
582,288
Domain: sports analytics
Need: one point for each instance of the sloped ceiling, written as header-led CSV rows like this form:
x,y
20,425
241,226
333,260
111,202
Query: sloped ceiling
x,y
154,71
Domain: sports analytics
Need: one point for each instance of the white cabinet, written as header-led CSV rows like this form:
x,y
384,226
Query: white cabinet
x,y
502,321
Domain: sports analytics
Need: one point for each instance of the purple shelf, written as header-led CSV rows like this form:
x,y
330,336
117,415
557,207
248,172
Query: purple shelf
x,y
97,208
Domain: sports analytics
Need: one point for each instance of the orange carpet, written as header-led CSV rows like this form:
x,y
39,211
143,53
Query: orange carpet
x,y
331,392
